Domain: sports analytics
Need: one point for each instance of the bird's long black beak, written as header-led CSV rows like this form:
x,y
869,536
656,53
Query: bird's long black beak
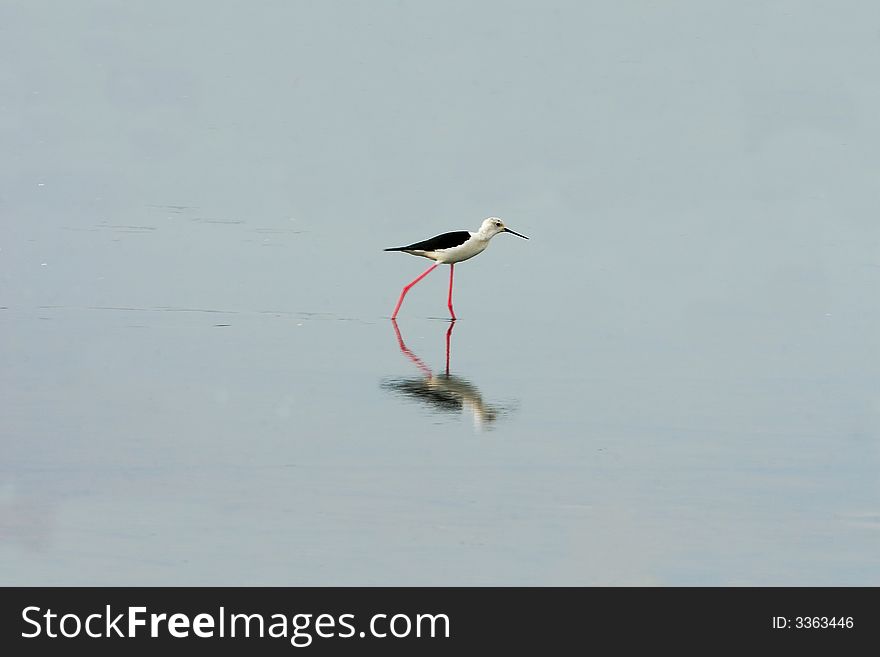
x,y
507,230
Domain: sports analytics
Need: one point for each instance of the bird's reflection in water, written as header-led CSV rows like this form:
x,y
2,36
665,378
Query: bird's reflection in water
x,y
444,393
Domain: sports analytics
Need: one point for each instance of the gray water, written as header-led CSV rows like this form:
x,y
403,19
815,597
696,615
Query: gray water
x,y
673,382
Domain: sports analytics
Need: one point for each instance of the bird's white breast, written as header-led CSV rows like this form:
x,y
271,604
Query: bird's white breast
x,y
459,253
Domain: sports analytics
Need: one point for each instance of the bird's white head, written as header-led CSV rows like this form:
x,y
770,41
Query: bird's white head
x,y
492,226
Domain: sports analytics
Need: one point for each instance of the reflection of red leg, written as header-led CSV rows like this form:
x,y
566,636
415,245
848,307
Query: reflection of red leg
x,y
449,302
407,352
406,289
448,336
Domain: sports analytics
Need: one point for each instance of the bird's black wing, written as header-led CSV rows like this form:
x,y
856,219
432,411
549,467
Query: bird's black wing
x,y
444,241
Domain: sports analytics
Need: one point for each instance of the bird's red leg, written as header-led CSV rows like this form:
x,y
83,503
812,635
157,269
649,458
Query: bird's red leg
x,y
406,289
449,302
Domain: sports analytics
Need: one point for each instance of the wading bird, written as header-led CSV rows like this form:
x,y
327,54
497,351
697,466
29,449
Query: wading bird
x,y
450,248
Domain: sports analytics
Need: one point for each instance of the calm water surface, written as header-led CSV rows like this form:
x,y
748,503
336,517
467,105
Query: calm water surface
x,y
674,382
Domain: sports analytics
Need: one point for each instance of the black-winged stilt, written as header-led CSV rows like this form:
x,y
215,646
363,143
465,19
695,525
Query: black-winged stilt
x,y
450,248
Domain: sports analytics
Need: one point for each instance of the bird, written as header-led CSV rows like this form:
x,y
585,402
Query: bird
x,y
449,249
